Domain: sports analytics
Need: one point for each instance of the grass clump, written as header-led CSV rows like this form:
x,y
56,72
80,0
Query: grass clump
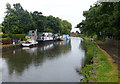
x,y
87,70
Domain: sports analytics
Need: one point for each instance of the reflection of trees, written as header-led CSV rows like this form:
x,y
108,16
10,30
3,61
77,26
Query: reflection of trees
x,y
18,60
83,47
82,44
50,52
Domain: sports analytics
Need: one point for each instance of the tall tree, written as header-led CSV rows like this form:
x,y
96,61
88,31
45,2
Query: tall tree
x,y
18,20
102,20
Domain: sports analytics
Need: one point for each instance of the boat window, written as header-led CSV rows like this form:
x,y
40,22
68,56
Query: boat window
x,y
27,42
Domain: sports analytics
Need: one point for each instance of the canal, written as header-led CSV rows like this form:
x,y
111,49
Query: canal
x,y
57,61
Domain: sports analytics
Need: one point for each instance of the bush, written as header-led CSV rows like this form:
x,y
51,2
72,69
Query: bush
x,y
5,36
17,36
90,50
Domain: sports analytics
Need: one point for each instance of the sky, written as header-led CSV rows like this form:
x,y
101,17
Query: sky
x,y
70,10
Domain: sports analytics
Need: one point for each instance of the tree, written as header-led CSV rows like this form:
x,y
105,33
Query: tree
x,y
102,20
18,20
53,24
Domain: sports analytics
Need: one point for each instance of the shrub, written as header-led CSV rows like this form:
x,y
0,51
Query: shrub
x,y
17,36
5,36
90,51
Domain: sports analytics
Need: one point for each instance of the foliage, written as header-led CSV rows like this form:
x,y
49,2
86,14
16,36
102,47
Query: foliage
x,y
87,70
74,35
90,50
20,21
5,36
17,36
65,27
102,20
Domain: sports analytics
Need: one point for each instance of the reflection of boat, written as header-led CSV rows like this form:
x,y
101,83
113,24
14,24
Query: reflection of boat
x,y
30,42
26,48
30,50
46,47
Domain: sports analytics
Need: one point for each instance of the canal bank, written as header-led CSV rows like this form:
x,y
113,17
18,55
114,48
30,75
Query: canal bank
x,y
5,47
99,67
8,47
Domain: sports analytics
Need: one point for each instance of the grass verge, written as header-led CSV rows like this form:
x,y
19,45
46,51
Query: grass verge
x,y
105,68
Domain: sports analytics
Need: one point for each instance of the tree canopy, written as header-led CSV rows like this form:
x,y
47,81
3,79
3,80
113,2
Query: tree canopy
x,y
18,20
102,20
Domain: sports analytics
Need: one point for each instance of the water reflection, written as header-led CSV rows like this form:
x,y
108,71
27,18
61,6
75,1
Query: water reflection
x,y
47,62
20,59
30,50
82,44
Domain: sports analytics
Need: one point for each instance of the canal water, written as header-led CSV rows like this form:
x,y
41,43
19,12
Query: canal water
x,y
48,62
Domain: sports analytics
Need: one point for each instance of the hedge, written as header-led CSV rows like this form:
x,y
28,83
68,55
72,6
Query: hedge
x,y
17,36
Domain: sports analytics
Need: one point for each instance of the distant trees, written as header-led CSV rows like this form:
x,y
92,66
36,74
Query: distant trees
x,y
53,24
65,26
18,20
102,20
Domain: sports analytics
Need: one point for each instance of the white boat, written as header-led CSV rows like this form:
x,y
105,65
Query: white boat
x,y
45,37
30,42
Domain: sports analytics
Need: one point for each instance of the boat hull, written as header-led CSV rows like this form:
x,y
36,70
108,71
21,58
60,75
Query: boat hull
x,y
29,43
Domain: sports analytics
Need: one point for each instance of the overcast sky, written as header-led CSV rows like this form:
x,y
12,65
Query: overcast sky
x,y
70,10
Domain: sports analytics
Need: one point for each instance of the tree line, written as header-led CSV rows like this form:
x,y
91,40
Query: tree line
x,y
19,21
102,20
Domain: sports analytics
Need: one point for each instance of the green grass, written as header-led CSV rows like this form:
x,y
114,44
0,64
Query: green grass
x,y
106,70
87,70
79,35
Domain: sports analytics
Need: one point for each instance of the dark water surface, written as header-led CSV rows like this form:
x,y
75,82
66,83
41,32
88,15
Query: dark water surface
x,y
47,62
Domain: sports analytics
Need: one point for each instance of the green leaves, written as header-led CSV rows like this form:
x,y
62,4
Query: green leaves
x,y
102,18
18,20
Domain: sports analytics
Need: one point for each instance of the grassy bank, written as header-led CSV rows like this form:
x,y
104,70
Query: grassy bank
x,y
87,69
102,64
79,35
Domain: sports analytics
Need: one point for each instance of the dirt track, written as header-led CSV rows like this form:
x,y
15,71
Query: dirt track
x,y
112,47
